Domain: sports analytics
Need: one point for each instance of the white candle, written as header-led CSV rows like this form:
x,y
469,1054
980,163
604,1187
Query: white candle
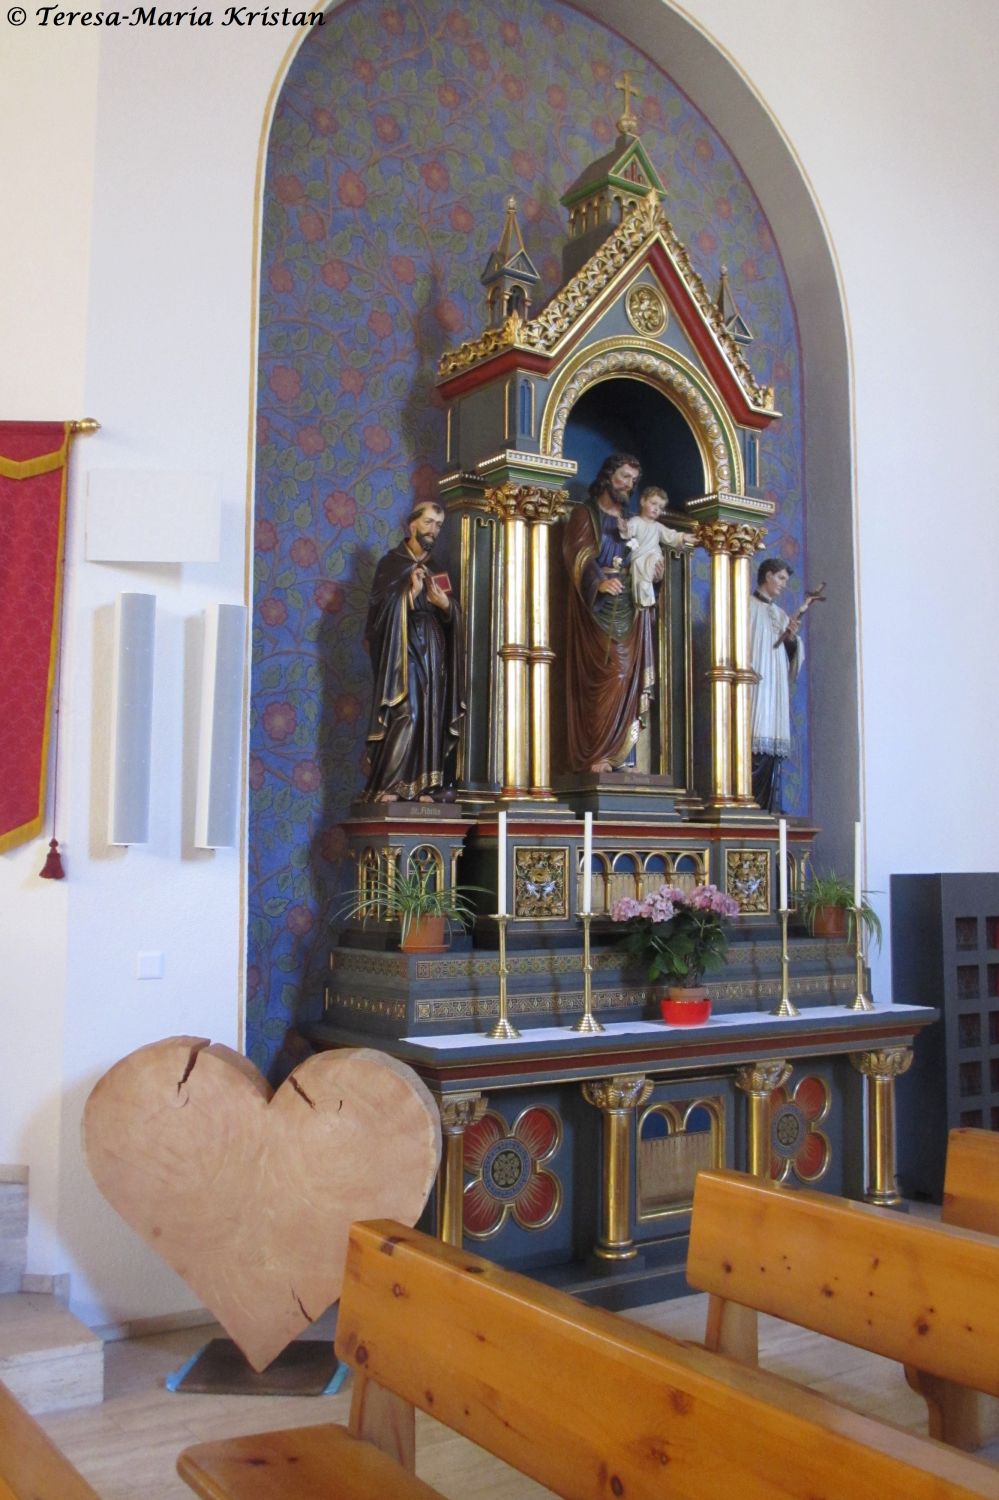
x,y
587,864
858,860
501,865
782,864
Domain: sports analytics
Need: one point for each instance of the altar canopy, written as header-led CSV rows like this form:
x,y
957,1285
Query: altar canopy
x,y
33,464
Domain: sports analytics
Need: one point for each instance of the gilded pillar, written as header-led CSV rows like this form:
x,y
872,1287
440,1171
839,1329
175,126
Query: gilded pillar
x,y
513,654
617,1099
541,658
757,1081
731,546
880,1069
527,511
745,678
721,674
457,1112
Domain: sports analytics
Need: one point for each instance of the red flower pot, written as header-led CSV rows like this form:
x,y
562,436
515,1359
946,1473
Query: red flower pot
x,y
686,1007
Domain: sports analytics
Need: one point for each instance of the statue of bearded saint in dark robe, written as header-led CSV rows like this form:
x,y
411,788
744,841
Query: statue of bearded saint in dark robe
x,y
610,659
414,640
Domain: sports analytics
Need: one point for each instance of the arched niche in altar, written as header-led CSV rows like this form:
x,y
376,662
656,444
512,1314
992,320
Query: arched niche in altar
x,y
625,414
637,413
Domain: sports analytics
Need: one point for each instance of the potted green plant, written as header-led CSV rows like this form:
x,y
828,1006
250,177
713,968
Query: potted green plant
x,y
427,911
826,904
680,934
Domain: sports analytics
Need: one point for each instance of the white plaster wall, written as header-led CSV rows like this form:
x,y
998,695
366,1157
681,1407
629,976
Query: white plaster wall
x,y
47,104
148,330
169,374
893,112
889,109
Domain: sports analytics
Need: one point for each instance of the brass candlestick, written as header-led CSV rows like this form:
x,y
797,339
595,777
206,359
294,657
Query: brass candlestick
x,y
504,1030
787,1006
587,1022
861,1000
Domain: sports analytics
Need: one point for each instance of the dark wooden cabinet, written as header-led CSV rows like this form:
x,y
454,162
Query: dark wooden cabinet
x,y
945,953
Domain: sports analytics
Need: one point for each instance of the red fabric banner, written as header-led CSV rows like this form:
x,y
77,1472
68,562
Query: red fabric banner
x,y
33,462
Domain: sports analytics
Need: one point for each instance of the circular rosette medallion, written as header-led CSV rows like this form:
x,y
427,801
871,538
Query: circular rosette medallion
x,y
646,309
796,1143
507,1172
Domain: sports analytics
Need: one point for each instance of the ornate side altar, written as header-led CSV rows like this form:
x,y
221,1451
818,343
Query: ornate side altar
x,y
567,1153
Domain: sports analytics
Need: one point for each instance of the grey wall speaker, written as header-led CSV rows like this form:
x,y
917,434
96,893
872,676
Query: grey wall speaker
x,y
131,718
216,812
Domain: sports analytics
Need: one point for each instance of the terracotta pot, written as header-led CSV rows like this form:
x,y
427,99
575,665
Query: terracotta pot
x,y
686,1006
829,922
425,935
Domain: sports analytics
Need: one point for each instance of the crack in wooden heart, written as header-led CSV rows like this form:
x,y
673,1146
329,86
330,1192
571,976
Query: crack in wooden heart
x,y
248,1193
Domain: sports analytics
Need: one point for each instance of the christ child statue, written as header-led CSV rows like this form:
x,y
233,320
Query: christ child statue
x,y
646,536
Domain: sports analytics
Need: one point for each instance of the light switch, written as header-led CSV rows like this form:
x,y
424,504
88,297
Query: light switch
x,y
149,965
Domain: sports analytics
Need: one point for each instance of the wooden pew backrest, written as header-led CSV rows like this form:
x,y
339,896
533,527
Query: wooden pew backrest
x,y
971,1181
921,1293
31,1466
965,1418
591,1405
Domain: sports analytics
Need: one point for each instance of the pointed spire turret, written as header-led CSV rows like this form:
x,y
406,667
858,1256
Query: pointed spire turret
x,y
510,273
732,318
618,182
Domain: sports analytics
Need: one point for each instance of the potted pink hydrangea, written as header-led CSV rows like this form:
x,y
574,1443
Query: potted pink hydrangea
x,y
679,934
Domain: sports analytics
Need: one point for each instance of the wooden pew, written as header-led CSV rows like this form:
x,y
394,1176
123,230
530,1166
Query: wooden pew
x,y
582,1401
921,1293
968,1419
31,1466
971,1181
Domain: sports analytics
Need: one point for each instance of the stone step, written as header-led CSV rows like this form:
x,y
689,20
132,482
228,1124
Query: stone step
x,y
13,1226
49,1360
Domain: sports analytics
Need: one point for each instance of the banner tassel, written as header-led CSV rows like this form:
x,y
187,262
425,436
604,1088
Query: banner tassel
x,y
52,868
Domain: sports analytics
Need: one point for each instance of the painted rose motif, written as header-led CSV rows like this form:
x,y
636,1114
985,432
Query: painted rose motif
x,y
508,1172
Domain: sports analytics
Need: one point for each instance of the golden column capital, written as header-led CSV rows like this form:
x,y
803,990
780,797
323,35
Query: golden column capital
x,y
617,1099
880,1067
732,537
762,1077
758,1081
888,1063
541,504
457,1112
612,1095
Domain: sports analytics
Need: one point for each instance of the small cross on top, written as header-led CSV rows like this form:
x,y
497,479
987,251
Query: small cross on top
x,y
628,122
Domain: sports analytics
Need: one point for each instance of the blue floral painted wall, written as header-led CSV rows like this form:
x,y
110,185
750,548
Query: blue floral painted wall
x,y
400,131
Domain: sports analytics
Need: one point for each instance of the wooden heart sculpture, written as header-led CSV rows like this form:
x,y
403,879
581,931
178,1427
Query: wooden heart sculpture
x,y
248,1194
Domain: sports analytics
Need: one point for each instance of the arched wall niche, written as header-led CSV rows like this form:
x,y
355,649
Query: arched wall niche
x,y
306,712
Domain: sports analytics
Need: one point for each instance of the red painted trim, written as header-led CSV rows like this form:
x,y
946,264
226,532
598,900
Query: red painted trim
x,y
578,1064
694,326
493,369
